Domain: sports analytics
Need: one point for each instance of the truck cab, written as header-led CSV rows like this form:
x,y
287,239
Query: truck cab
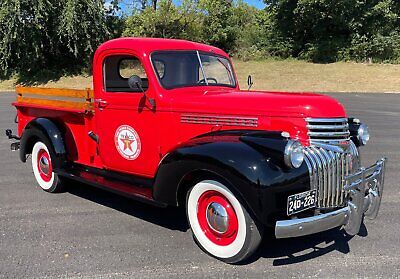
x,y
167,123
171,78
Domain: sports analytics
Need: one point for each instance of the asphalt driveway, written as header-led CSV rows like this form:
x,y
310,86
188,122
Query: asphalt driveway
x,y
90,233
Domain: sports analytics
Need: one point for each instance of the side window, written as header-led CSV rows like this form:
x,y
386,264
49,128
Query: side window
x,y
118,69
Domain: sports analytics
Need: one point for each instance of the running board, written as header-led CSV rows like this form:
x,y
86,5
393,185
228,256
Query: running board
x,y
129,186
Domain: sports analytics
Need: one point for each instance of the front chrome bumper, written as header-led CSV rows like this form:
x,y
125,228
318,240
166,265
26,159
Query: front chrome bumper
x,y
365,188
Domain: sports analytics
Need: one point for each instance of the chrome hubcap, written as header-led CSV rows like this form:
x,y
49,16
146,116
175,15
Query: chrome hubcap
x,y
217,217
44,165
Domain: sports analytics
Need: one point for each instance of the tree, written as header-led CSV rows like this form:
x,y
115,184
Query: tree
x,y
217,26
46,34
168,21
326,31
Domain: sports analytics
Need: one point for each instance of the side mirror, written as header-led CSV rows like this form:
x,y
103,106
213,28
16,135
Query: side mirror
x,y
135,82
249,82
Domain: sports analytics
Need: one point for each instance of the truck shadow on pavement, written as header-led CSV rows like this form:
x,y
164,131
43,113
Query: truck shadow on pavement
x,y
170,218
301,249
281,251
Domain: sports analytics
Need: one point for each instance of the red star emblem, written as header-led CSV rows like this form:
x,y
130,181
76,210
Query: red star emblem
x,y
127,141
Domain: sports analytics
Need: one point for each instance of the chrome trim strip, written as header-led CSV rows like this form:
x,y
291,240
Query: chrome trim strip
x,y
328,127
219,120
330,141
328,134
202,68
330,130
326,120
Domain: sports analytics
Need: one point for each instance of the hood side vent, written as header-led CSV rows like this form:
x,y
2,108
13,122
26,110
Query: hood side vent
x,y
219,120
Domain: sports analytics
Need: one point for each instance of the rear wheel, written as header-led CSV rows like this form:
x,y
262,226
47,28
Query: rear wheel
x,y
220,224
43,169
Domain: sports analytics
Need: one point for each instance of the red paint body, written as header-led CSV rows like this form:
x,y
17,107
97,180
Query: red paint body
x,y
208,108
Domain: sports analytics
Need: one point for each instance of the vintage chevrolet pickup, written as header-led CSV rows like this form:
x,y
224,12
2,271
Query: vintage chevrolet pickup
x,y
167,124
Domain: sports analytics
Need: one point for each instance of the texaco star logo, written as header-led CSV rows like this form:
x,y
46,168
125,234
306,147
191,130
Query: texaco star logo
x,y
127,142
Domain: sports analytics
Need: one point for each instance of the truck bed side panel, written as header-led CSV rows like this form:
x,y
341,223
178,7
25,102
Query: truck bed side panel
x,y
74,126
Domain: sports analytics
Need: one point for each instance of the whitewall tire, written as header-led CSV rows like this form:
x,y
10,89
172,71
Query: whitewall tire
x,y
42,167
220,224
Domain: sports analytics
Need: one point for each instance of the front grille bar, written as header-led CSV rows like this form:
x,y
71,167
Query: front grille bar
x,y
328,169
328,129
329,134
326,120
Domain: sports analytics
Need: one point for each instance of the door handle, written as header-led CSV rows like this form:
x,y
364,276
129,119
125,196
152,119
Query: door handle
x,y
101,103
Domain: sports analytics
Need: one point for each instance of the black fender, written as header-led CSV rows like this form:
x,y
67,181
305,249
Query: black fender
x,y
45,130
250,162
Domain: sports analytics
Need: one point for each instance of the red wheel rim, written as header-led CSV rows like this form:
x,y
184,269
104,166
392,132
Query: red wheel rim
x,y
230,232
44,165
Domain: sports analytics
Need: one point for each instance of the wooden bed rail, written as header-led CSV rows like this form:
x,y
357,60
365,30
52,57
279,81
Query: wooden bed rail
x,y
55,97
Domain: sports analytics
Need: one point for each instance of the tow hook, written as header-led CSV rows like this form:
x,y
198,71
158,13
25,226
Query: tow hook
x,y
14,145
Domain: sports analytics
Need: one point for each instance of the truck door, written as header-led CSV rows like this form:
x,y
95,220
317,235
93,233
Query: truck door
x,y
125,121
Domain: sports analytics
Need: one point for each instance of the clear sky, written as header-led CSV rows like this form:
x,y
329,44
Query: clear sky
x,y
256,3
125,4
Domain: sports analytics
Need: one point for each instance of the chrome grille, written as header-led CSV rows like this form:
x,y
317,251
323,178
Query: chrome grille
x,y
328,129
328,165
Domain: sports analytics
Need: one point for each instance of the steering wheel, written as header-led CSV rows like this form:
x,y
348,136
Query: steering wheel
x,y
209,78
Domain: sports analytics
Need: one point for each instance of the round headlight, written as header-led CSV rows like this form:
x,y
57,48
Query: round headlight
x,y
363,134
294,155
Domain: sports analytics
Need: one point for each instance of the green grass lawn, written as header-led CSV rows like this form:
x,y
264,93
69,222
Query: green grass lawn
x,y
286,75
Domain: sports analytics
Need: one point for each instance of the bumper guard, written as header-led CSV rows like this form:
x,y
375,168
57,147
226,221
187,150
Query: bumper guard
x,y
365,188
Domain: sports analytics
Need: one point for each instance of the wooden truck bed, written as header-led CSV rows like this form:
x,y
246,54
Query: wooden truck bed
x,y
55,98
71,109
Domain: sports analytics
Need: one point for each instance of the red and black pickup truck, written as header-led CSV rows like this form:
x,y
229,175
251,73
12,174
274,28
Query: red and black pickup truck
x,y
166,123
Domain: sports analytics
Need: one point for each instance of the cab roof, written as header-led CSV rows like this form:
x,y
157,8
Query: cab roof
x,y
149,45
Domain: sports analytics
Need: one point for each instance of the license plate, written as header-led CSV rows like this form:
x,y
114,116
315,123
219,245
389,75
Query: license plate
x,y
302,201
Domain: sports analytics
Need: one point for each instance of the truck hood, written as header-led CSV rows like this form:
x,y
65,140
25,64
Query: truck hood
x,y
261,103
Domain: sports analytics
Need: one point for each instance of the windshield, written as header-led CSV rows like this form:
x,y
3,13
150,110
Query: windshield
x,y
192,68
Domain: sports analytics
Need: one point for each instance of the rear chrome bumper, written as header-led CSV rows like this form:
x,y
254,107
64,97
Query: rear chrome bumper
x,y
365,188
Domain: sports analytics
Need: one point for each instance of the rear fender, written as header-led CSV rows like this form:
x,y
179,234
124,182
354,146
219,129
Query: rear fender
x,y
47,131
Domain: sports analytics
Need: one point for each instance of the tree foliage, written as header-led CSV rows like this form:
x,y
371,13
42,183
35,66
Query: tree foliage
x,y
316,30
63,34
167,21
210,21
49,34
325,30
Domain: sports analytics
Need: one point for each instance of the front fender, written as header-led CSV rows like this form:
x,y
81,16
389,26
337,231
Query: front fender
x,y
45,130
251,162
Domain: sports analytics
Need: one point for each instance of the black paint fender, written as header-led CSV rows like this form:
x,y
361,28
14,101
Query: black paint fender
x,y
250,162
47,131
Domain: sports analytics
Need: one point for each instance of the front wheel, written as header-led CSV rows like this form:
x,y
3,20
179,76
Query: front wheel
x,y
42,167
220,224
